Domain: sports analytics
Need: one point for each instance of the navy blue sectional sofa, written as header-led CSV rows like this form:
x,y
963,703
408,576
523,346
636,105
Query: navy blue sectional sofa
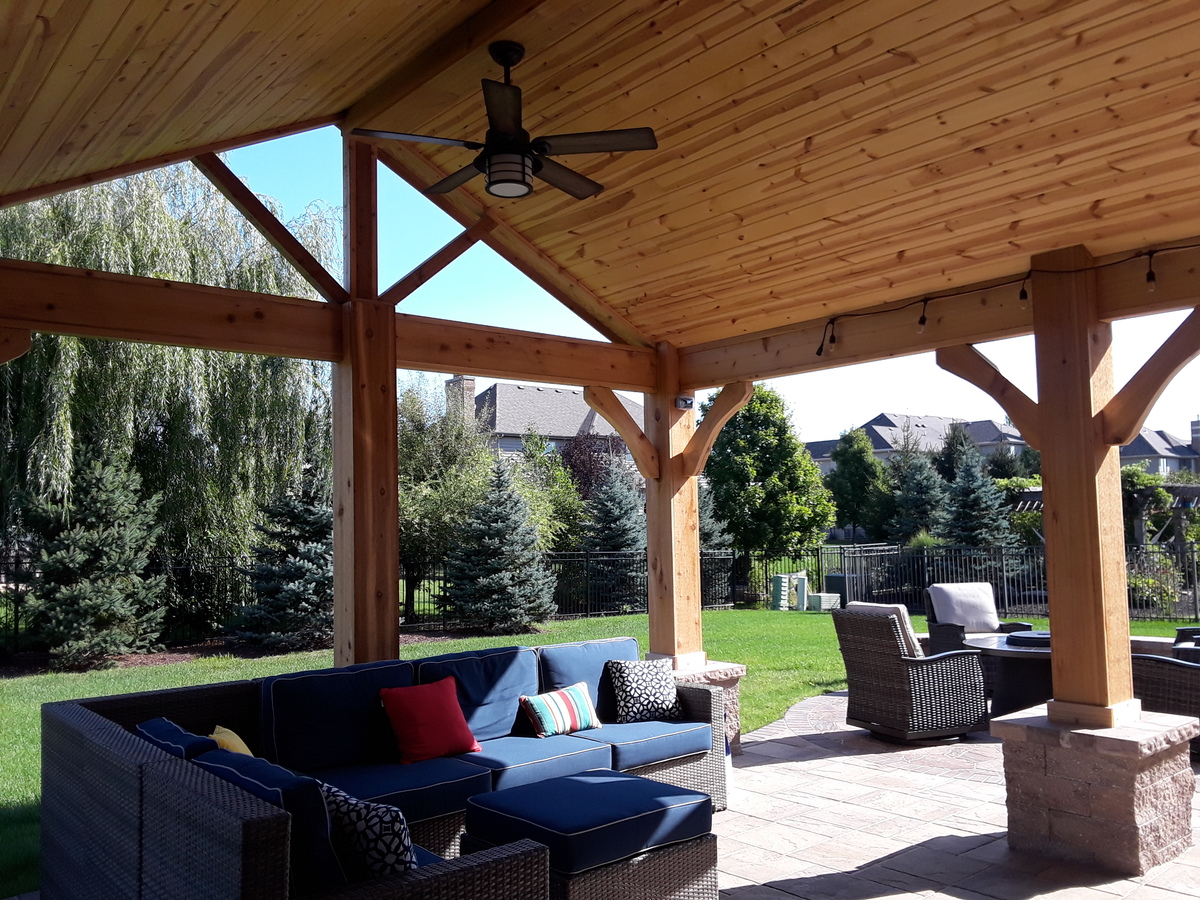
x,y
329,724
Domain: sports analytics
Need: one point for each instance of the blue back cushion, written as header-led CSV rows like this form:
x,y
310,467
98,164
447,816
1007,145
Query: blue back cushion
x,y
490,685
331,717
315,865
562,665
166,735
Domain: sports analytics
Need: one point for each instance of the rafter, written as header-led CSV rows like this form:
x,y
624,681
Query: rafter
x,y
277,234
452,47
61,300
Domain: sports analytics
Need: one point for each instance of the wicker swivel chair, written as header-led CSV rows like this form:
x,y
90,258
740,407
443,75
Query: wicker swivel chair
x,y
1168,685
897,692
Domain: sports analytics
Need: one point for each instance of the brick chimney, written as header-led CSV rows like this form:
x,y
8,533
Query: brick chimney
x,y
1196,435
460,395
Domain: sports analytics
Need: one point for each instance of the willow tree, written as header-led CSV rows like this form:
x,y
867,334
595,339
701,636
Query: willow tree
x,y
218,435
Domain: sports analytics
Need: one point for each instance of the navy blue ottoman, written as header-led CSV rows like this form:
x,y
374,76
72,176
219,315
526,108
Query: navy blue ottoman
x,y
610,834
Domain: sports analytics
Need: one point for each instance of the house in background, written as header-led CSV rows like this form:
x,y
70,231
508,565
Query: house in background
x,y
1159,452
512,410
886,433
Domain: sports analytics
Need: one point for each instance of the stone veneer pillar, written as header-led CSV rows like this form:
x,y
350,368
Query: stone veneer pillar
x,y
1116,798
728,676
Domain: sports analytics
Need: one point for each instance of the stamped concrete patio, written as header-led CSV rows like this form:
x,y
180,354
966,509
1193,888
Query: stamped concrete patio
x,y
822,811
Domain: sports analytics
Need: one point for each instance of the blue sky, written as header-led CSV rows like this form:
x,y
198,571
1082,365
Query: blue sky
x,y
482,288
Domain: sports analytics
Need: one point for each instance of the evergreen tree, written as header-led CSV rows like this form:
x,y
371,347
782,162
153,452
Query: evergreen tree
x,y
496,579
956,445
1031,461
713,535
976,512
1003,463
292,578
857,483
91,599
919,499
616,531
766,486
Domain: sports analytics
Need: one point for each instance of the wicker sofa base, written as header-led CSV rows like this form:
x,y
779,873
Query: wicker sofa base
x,y
683,871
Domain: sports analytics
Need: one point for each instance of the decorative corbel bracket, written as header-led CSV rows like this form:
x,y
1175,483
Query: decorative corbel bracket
x,y
970,365
14,342
691,461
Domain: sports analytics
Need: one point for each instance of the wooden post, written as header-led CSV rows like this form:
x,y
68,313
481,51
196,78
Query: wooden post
x,y
672,524
1085,559
366,553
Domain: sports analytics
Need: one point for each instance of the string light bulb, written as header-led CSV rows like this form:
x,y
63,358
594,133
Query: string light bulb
x,y
921,321
832,335
1151,278
1023,296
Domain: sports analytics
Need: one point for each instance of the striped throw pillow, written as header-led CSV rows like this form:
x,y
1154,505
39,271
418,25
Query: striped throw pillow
x,y
562,711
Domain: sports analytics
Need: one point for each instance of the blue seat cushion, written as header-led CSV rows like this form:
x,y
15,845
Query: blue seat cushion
x,y
166,735
521,760
422,790
314,862
592,818
490,684
642,743
331,717
562,665
424,857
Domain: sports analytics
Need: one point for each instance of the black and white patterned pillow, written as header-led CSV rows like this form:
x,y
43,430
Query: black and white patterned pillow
x,y
372,839
645,690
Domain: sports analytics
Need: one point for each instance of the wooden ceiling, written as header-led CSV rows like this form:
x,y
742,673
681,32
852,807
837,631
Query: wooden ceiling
x,y
815,157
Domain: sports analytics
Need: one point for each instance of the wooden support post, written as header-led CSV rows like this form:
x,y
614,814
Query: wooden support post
x,y
1085,560
366,553
672,524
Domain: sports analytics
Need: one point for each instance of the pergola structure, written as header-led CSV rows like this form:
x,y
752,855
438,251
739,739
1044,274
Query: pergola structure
x,y
827,171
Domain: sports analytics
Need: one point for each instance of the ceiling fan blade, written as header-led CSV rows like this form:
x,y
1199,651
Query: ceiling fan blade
x,y
417,138
503,103
597,141
450,182
557,175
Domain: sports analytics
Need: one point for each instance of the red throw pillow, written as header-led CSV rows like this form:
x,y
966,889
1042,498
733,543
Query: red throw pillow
x,y
427,720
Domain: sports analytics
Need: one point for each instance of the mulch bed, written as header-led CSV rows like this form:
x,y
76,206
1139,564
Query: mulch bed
x,y
21,664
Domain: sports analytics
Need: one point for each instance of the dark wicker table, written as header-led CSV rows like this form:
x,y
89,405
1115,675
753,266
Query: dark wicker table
x,y
1022,673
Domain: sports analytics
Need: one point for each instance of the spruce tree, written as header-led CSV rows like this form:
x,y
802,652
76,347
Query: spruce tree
x,y
292,578
496,579
956,445
919,499
976,511
857,482
713,535
615,532
91,599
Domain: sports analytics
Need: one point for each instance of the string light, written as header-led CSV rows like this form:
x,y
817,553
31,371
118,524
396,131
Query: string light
x,y
1151,278
824,334
921,321
832,335
1023,296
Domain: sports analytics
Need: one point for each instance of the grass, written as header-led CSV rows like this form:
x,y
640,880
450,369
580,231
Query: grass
x,y
788,657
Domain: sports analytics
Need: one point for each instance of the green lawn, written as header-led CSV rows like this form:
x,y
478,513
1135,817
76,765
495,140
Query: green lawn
x,y
789,656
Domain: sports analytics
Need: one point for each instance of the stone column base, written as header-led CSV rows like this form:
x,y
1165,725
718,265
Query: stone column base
x,y
728,676
1117,798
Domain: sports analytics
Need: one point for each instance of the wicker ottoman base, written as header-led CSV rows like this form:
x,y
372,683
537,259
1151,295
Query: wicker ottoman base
x,y
684,871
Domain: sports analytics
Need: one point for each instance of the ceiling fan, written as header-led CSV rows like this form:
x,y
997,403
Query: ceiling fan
x,y
508,158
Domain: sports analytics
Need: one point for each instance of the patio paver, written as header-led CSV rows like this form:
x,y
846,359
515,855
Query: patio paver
x,y
822,811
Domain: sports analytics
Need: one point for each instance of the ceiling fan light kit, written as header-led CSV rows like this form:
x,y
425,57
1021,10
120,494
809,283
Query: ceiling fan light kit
x,y
507,158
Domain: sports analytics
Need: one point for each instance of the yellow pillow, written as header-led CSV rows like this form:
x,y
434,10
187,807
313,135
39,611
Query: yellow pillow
x,y
228,740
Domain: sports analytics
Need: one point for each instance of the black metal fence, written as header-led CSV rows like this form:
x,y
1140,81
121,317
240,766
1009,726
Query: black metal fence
x,y
204,593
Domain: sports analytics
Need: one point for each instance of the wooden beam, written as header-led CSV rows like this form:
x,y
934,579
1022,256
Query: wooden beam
x,y
1122,418
163,159
365,543
975,314
527,259
970,365
62,300
1085,565
472,35
438,261
732,398
14,342
439,345
609,405
672,525
277,234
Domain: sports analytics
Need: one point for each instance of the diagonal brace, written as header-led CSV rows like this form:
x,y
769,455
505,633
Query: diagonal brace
x,y
970,365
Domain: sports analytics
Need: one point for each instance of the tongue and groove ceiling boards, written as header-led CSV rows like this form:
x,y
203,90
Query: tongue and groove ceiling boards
x,y
815,158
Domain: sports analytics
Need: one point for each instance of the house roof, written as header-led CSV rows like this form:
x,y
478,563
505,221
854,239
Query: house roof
x,y
553,412
1158,445
814,159
886,433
